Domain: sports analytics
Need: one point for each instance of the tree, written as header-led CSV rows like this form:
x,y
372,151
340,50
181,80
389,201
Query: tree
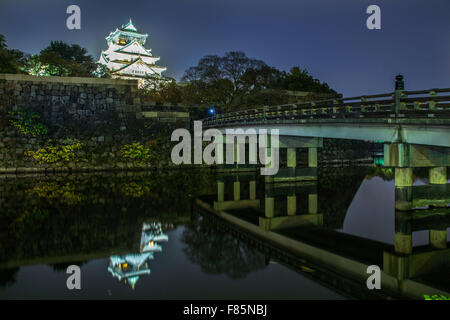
x,y
261,87
62,59
300,80
235,81
165,92
11,60
3,45
220,80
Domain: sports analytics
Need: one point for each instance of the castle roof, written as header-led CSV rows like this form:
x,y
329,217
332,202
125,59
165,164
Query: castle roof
x,y
139,68
134,47
129,27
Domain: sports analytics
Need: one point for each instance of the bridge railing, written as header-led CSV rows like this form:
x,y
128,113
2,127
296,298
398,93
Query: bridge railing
x,y
433,103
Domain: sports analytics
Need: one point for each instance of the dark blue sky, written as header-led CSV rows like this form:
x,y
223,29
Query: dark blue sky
x,y
327,37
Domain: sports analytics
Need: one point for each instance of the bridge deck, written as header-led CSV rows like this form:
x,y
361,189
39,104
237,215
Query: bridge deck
x,y
402,118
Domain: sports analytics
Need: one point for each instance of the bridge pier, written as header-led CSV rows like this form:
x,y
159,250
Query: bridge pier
x,y
313,203
404,177
403,193
403,263
236,190
312,157
220,191
403,243
404,157
403,198
291,157
291,205
438,175
434,220
252,190
403,233
269,210
438,238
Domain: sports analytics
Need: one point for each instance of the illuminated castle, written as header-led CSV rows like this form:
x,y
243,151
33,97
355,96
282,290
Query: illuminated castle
x,y
127,58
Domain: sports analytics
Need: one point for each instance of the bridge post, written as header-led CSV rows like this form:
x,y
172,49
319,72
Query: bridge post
x,y
291,205
438,175
312,157
291,157
399,87
237,153
252,190
269,210
404,157
291,201
220,191
438,238
398,155
269,207
237,190
403,188
312,203
404,177
403,233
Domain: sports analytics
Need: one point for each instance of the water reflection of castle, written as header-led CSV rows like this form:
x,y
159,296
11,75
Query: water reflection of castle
x,y
130,267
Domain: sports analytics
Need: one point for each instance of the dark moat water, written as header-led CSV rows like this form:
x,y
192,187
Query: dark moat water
x,y
149,236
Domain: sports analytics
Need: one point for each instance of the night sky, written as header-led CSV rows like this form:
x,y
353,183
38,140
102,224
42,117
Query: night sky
x,y
327,37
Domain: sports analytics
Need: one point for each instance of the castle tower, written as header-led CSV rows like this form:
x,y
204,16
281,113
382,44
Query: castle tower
x,y
127,58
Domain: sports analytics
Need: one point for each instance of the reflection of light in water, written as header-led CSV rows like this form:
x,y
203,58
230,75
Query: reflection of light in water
x,y
130,267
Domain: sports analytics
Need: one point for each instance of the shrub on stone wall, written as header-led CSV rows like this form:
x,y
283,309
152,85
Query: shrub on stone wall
x,y
59,155
135,152
28,122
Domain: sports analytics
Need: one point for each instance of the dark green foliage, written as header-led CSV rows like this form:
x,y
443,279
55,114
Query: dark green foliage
x,y
11,61
62,59
28,122
235,81
435,297
300,80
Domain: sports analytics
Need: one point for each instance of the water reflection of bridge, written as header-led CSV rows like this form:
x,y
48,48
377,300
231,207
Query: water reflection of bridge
x,y
285,218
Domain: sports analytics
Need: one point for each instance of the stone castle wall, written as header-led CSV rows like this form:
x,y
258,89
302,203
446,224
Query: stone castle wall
x,y
71,102
101,113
